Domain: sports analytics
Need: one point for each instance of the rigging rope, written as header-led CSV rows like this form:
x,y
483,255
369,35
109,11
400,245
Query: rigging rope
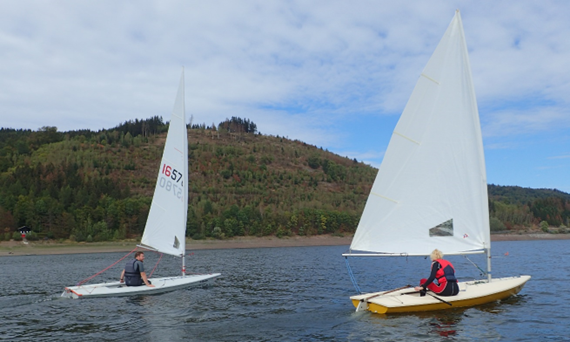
x,y
98,273
474,264
151,272
352,278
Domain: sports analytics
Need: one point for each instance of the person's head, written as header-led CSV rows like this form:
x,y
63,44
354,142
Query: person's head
x,y
436,254
139,256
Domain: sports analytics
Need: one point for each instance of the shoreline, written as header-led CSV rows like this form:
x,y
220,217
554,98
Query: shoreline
x,y
18,248
14,248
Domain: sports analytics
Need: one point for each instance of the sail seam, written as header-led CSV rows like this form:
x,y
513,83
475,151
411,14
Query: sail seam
x,y
408,138
384,197
429,78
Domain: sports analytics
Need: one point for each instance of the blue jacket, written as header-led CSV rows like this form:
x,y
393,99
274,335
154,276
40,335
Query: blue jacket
x,y
133,274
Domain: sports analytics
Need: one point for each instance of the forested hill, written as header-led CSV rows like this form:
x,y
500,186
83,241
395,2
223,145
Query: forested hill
x,y
519,195
94,186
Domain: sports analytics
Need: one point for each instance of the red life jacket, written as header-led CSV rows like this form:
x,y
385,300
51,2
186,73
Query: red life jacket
x,y
446,273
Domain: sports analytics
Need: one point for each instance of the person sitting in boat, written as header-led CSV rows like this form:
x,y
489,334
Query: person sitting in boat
x,y
134,274
444,273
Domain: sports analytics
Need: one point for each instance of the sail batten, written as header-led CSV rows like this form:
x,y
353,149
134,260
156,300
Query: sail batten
x,y
434,166
431,79
405,137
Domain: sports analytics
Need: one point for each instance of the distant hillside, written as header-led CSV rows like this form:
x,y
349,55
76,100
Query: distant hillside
x,y
519,195
98,185
93,186
513,207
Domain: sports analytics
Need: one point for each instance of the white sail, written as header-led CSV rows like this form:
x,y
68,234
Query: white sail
x,y
165,228
431,188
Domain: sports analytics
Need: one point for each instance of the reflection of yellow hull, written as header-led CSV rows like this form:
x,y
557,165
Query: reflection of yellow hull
x,y
471,293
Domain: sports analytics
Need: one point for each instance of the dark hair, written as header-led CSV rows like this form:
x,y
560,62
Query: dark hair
x,y
138,253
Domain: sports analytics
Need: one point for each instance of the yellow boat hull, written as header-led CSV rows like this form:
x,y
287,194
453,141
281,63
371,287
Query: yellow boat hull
x,y
471,294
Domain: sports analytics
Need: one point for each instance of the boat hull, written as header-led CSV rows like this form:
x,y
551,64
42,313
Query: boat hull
x,y
116,289
471,293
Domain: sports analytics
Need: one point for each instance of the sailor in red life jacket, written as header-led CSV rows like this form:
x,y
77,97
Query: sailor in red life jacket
x,y
443,271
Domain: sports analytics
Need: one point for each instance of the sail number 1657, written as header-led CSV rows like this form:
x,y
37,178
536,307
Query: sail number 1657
x,y
173,185
168,171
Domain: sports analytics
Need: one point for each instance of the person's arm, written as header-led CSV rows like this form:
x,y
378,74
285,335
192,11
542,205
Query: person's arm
x,y
144,278
434,268
122,279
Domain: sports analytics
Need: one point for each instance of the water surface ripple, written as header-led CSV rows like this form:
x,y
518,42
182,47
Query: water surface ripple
x,y
281,294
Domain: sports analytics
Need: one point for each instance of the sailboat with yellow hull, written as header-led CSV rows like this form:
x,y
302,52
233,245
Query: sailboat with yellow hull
x,y
431,188
471,293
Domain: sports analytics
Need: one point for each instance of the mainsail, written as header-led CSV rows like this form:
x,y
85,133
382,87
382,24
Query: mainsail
x,y
431,188
165,228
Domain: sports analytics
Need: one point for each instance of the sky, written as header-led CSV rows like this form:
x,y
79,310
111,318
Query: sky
x,y
332,73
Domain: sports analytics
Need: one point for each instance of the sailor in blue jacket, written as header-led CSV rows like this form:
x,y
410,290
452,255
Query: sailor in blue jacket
x,y
134,274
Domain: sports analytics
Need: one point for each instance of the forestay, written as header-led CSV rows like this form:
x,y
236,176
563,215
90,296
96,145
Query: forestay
x,y
165,228
431,188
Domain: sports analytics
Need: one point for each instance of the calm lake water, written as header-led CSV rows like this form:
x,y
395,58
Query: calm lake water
x,y
281,294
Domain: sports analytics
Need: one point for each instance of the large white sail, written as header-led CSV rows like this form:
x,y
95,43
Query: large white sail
x,y
165,228
431,188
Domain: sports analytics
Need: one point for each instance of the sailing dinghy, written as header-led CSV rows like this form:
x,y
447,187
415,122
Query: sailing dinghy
x,y
165,229
431,188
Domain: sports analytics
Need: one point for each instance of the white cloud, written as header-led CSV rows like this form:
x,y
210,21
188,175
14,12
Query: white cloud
x,y
525,122
296,68
567,156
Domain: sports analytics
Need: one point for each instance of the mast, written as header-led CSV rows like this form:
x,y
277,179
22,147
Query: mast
x,y
185,170
488,254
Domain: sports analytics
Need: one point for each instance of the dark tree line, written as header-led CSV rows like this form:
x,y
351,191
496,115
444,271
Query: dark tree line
x,y
233,125
237,125
145,128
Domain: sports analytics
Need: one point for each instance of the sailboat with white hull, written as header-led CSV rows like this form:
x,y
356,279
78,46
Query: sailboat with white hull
x,y
431,188
165,228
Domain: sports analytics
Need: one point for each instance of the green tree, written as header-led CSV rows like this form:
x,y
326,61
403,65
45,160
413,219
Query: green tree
x,y
544,226
496,224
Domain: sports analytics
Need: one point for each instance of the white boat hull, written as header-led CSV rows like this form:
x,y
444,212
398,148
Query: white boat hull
x,y
471,293
115,289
